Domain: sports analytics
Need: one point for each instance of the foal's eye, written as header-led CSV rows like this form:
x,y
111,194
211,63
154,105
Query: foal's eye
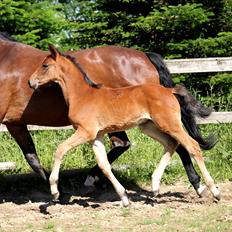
x,y
45,66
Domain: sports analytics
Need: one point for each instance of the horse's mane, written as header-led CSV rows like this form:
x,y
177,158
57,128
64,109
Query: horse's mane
x,y
5,36
79,67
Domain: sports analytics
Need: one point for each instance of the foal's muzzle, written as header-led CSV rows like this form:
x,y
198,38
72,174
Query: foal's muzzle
x,y
33,84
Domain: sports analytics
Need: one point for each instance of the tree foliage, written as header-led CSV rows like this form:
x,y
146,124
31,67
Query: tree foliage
x,y
36,23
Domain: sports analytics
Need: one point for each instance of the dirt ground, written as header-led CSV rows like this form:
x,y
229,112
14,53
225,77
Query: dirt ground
x,y
25,206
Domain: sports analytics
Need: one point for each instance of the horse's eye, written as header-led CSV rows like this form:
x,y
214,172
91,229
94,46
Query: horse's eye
x,y
45,66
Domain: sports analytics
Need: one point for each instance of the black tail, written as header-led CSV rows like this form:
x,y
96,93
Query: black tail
x,y
190,107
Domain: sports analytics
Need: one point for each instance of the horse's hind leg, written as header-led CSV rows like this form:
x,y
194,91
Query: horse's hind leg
x,y
193,176
120,143
25,142
169,144
104,165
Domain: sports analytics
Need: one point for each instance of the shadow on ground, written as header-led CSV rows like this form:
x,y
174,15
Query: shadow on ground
x,y
24,188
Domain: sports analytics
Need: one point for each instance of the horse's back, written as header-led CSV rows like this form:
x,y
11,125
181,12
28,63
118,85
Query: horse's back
x,y
116,66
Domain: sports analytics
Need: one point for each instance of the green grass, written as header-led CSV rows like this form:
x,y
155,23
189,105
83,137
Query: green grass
x,y
137,164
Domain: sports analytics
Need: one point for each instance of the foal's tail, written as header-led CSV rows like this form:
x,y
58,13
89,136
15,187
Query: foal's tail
x,y
190,107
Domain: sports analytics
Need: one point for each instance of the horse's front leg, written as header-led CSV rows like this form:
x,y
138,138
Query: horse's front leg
x,y
25,142
104,165
79,137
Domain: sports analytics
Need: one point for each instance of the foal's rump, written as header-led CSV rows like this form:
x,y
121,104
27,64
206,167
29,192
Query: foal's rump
x,y
187,114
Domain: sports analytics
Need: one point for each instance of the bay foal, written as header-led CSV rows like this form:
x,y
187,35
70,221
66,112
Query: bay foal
x,y
96,110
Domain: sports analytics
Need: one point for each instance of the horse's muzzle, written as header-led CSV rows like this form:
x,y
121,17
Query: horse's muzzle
x,y
33,84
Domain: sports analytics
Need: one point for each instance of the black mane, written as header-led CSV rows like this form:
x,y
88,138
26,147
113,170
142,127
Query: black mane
x,y
5,36
85,76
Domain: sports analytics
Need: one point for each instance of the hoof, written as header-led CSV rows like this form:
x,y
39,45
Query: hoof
x,y
156,193
56,196
217,195
125,201
201,191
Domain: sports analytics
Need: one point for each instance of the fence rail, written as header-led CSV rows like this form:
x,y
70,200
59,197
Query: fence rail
x,y
200,65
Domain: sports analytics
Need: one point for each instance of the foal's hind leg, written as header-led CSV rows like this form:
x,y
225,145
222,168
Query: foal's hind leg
x,y
170,146
194,149
104,165
120,143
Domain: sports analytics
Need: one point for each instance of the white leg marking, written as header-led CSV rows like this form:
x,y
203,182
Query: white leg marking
x,y
169,146
158,173
201,191
101,157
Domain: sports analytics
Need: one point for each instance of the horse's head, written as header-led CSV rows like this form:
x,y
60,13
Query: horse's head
x,y
48,71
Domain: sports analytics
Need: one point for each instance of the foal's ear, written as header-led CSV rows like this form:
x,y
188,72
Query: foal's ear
x,y
54,51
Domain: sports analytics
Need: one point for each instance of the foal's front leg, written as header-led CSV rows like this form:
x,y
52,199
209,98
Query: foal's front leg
x,y
104,165
120,143
79,137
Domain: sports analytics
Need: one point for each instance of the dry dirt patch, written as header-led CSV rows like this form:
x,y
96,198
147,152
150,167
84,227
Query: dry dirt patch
x,y
27,207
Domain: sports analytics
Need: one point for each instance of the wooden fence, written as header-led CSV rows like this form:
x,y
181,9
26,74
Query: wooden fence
x,y
176,66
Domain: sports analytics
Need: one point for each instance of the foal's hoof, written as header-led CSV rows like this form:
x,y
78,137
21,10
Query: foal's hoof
x,y
201,191
56,196
155,193
125,201
217,195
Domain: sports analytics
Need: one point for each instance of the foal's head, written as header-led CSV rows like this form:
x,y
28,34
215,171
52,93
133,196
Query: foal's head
x,y
49,70
54,68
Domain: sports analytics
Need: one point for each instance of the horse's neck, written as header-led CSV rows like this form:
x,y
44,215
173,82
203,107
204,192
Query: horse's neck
x,y
5,45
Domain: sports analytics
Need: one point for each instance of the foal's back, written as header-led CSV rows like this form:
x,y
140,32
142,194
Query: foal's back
x,y
124,108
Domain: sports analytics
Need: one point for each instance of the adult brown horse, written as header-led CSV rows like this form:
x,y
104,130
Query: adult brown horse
x,y
95,110
110,65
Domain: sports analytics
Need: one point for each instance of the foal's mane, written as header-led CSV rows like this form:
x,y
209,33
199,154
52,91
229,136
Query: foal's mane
x,y
84,74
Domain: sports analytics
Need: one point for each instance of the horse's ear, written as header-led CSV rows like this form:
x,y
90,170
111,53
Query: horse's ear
x,y
54,51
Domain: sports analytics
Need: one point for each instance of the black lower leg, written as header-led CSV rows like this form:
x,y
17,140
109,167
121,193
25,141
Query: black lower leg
x,y
33,161
193,176
24,140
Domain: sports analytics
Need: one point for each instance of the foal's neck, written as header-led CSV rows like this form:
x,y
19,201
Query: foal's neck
x,y
73,83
